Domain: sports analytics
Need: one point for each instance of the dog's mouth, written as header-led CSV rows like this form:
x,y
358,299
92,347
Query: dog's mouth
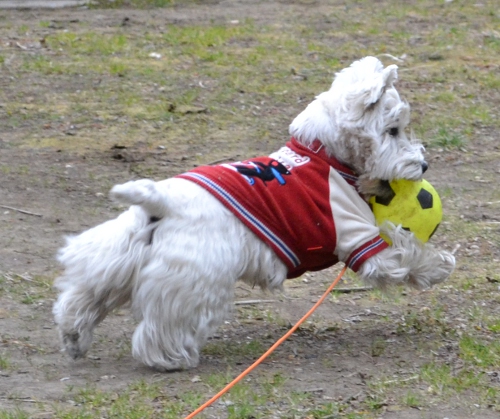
x,y
384,191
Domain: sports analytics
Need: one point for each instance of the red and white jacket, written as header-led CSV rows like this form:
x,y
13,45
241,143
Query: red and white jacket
x,y
301,202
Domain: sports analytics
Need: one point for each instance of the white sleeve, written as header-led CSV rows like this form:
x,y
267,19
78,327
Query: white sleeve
x,y
354,221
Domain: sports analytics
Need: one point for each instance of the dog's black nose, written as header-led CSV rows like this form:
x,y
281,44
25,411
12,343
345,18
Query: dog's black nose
x,y
425,166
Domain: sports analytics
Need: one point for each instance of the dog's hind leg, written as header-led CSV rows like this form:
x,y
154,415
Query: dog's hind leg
x,y
178,309
185,290
100,265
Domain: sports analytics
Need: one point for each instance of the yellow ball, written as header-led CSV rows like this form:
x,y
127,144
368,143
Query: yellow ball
x,y
414,205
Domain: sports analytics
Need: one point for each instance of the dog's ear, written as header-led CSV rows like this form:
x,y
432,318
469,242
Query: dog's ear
x,y
314,122
366,96
381,84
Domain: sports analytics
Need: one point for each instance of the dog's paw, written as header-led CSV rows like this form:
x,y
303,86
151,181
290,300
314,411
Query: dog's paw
x,y
438,270
170,368
71,345
447,265
75,344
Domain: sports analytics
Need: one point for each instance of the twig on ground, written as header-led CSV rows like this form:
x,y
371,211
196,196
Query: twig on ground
x,y
20,399
9,277
354,397
250,302
230,158
21,211
24,277
392,57
21,46
404,380
349,290
287,297
314,390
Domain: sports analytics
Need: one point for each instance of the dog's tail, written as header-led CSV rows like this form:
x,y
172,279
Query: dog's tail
x,y
143,193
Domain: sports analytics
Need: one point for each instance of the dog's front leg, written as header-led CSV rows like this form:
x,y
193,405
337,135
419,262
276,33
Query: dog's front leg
x,y
407,261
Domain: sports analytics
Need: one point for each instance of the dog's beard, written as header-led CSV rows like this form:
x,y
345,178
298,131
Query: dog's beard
x,y
398,161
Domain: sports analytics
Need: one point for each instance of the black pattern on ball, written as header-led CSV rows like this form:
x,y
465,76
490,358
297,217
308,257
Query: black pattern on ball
x,y
424,197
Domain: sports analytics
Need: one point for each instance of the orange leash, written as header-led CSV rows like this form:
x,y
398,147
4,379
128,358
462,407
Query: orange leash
x,y
271,349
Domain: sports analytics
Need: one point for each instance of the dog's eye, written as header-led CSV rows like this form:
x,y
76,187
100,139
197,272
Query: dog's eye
x,y
393,132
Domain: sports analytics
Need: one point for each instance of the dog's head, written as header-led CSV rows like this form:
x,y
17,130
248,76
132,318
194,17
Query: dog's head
x,y
361,121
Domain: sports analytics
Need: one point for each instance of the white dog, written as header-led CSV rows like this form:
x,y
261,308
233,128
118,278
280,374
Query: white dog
x,y
178,250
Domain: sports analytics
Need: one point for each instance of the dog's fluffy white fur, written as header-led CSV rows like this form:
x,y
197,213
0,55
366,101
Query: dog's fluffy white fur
x,y
177,252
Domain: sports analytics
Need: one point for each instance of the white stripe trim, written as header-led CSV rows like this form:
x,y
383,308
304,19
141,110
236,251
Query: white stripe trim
x,y
230,200
347,175
364,251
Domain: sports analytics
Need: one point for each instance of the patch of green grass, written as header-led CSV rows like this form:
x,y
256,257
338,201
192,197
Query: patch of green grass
x,y
251,349
250,314
14,414
139,4
23,29
243,401
133,403
447,139
492,41
494,326
258,398
326,410
4,362
29,299
489,80
375,402
199,38
443,381
118,68
429,320
44,65
480,353
479,113
378,347
446,97
412,399
89,43
247,399
479,357
25,289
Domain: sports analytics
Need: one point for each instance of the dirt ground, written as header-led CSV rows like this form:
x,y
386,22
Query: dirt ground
x,y
333,358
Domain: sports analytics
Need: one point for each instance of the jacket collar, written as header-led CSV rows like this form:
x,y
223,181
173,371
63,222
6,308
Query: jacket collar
x,y
318,149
